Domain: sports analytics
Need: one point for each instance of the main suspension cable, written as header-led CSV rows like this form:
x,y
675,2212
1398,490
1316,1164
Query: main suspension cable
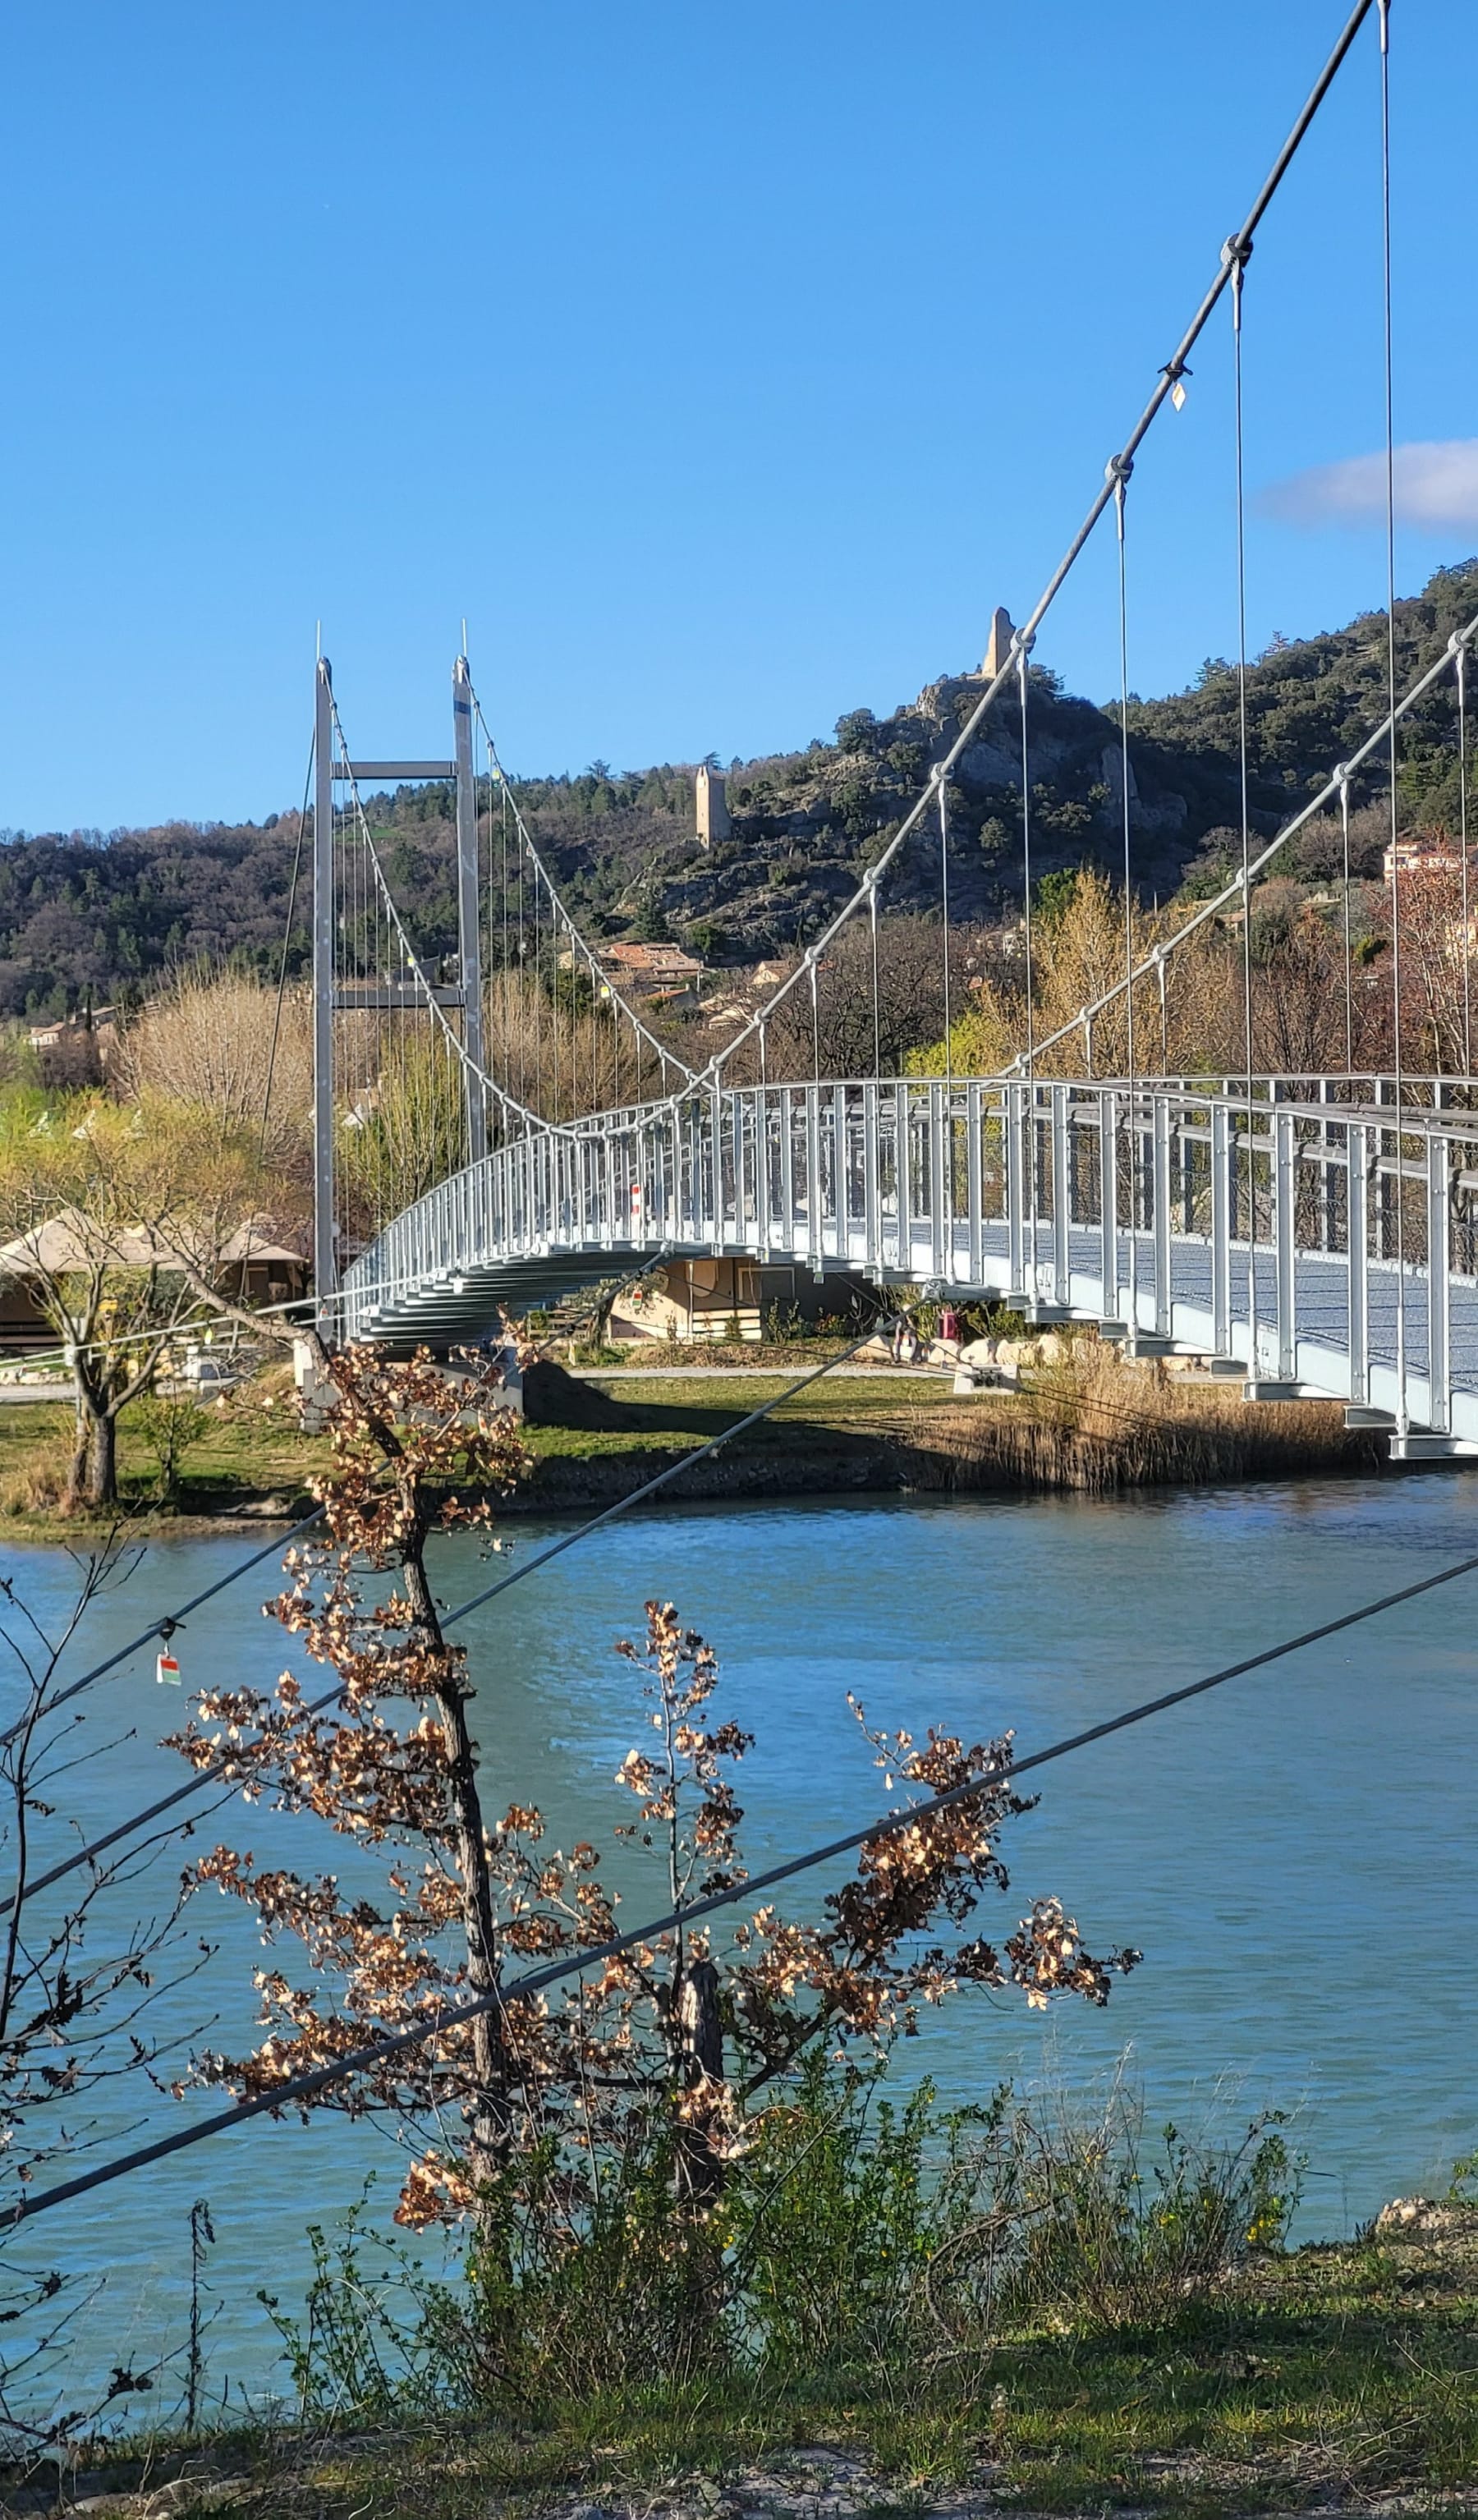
x,y
519,1575
1166,383
1317,803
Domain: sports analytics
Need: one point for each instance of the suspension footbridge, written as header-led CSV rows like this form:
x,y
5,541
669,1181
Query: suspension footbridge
x,y
1315,1233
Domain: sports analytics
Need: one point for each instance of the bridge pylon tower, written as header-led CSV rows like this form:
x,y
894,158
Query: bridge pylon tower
x,y
383,992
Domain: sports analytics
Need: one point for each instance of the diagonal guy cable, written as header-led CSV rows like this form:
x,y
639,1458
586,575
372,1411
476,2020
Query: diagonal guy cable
x,y
171,1620
893,1824
216,1772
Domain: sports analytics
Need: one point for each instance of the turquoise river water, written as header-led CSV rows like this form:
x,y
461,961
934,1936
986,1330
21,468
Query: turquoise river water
x,y
1294,1854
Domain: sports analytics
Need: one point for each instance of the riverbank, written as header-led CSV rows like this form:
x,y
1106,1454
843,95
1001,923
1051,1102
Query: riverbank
x,y
1087,1423
1336,2377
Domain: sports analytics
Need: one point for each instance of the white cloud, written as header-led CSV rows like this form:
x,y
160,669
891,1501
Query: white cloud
x,y
1435,488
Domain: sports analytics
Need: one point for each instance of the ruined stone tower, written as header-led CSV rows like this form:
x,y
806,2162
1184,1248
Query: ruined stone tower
x,y
998,645
710,806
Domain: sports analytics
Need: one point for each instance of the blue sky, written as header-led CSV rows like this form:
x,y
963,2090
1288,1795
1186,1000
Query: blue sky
x,y
724,366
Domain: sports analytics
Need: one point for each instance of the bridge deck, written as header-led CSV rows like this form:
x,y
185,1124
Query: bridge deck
x,y
1002,1191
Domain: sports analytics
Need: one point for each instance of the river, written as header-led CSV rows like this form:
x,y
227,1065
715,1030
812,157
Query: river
x,y
1293,1854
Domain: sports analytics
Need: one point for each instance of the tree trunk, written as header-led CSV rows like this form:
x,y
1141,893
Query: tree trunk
x,y
92,1478
103,1461
486,2113
699,2034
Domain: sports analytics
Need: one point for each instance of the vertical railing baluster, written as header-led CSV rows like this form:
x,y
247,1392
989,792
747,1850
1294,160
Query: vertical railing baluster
x,y
1160,1163
1108,1201
1061,1107
1285,1257
975,1193
1439,1285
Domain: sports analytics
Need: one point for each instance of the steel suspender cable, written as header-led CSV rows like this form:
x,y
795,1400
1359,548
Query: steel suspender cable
x,y
1238,263
1120,468
944,898
1344,827
1023,651
892,1823
1403,1417
282,977
1462,849
162,1627
876,1011
1319,803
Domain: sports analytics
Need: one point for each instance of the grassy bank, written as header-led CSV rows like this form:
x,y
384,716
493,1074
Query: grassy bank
x,y
1088,1421
1335,2376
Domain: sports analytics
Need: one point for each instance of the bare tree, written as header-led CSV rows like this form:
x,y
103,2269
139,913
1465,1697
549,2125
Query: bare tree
x,y
640,2051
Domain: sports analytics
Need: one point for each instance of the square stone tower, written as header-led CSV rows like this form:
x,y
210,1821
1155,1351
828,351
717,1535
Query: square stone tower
x,y
711,806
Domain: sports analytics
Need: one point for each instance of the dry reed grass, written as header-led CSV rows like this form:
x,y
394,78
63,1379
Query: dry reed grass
x,y
34,1467
1095,1420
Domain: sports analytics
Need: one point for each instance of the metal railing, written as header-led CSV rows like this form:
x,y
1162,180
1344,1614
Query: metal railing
x,y
1312,1234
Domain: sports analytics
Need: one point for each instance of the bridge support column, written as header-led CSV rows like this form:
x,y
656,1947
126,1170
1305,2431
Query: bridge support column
x,y
325,1255
469,923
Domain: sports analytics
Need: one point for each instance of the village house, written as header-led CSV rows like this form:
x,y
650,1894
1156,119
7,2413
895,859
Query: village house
x,y
1421,853
651,971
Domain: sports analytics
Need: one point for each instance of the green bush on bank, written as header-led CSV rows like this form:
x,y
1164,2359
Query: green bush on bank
x,y
856,2236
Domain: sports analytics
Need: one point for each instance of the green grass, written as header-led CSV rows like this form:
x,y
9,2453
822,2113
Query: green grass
x,y
1333,2376
671,1415
242,1456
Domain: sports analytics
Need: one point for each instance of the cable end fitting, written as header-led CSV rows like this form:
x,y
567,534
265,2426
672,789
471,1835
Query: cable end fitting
x,y
1236,252
1118,469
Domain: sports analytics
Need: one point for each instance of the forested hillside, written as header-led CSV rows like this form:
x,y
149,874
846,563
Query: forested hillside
x,y
111,914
